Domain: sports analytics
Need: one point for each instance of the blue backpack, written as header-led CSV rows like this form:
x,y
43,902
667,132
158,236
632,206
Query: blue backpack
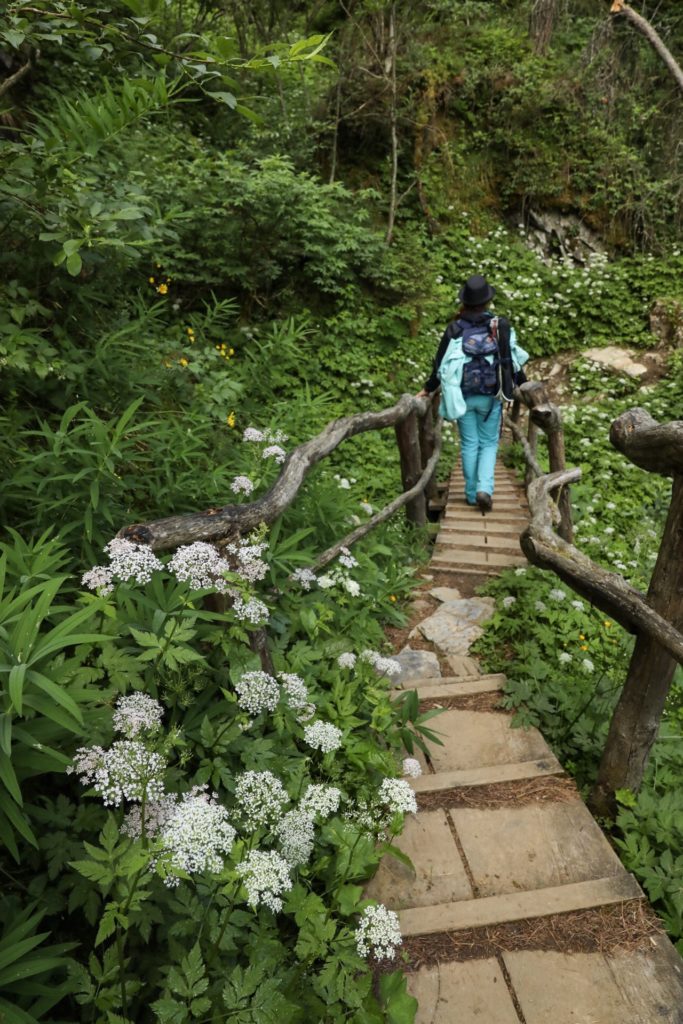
x,y
481,372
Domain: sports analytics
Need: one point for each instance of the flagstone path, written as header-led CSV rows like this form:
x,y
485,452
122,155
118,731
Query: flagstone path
x,y
503,848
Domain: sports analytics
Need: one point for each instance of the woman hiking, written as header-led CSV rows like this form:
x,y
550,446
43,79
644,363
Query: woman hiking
x,y
477,365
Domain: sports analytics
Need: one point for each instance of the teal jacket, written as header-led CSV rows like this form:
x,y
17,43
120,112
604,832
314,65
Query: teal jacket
x,y
453,405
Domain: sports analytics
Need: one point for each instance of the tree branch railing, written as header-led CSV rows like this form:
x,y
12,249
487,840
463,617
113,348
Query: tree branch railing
x,y
656,617
418,439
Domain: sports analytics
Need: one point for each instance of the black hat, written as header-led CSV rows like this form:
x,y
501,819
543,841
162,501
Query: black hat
x,y
476,291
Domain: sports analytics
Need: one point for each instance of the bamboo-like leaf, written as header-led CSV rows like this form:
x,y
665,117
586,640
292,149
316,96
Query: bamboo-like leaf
x,y
9,778
16,687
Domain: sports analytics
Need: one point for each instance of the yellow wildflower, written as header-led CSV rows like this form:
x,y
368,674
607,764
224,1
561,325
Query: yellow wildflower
x,y
231,419
584,647
151,280
232,352
162,289
190,331
392,597
183,361
607,624
581,636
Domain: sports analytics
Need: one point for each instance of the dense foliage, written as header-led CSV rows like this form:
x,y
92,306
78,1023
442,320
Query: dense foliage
x,y
194,213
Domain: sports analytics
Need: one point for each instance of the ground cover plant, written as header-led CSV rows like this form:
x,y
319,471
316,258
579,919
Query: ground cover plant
x,y
566,661
193,209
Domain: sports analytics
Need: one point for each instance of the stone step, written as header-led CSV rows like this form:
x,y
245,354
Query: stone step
x,y
487,684
491,775
518,906
464,556
472,739
467,570
495,680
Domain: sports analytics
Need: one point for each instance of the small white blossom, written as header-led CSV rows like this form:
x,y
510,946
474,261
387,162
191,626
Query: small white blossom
x,y
242,485
127,771
564,658
556,594
295,689
257,692
412,767
304,577
540,606
246,558
352,587
127,561
509,601
587,665
319,799
578,605
200,565
346,559
306,713
252,610
136,713
198,836
261,797
367,508
346,660
521,571
296,834
252,434
274,451
378,933
266,877
99,579
323,736
326,582
157,813
398,796
381,665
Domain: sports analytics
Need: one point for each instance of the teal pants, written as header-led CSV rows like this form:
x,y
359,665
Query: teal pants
x,y
479,433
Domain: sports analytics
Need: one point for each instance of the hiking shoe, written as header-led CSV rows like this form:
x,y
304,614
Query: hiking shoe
x,y
484,501
472,504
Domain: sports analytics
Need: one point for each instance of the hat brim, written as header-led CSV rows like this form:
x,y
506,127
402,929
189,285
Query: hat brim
x,y
490,295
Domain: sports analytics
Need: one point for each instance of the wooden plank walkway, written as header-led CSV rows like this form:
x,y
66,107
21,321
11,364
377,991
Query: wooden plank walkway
x,y
514,861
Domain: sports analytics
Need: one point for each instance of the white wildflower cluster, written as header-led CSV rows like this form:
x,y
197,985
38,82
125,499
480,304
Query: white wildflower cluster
x,y
556,594
127,561
296,691
397,795
127,771
564,657
346,660
587,665
197,836
346,559
242,485
412,767
367,508
296,833
251,610
246,558
339,577
323,736
540,606
274,451
251,434
201,565
157,814
320,800
579,605
383,666
266,877
509,601
521,571
261,797
378,933
306,713
257,692
135,713
305,578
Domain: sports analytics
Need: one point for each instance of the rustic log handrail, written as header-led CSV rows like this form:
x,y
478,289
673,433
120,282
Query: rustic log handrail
x,y
656,618
213,525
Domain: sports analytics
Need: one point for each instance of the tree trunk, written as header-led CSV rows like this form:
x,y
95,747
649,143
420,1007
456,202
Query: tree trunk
x,y
542,21
619,8
393,116
636,719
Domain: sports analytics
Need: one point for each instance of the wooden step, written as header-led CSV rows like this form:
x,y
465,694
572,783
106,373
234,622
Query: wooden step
x,y
463,556
518,906
479,541
489,775
485,524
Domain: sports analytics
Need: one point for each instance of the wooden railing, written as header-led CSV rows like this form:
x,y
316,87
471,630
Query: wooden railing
x,y
656,617
418,433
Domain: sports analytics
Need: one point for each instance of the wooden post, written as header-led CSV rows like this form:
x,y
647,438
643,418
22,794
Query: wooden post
x,y
427,444
636,719
547,417
408,440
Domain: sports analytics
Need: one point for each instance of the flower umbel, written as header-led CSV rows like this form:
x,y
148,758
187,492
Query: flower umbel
x,y
266,877
127,771
198,836
378,933
137,712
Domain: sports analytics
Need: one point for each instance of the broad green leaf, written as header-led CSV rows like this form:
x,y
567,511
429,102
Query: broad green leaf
x,y
16,687
74,264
